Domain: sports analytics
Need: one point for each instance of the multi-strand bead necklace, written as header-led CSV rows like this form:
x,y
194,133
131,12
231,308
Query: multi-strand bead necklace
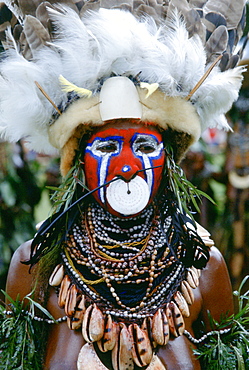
x,y
125,283
105,258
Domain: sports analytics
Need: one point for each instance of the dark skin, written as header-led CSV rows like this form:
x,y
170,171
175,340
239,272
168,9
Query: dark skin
x,y
214,294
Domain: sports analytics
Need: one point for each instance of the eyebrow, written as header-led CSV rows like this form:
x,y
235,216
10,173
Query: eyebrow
x,y
117,138
141,140
144,138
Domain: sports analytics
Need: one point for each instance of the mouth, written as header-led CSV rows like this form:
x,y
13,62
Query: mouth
x,y
128,198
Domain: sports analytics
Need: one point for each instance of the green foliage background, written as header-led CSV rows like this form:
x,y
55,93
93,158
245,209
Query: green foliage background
x,y
22,182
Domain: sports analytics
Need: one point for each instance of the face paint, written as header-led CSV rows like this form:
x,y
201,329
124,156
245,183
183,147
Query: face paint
x,y
124,151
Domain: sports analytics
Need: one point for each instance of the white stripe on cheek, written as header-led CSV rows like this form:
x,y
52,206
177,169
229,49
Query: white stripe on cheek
x,y
104,161
148,173
103,175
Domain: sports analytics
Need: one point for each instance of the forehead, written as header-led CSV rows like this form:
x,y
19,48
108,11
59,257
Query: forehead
x,y
125,129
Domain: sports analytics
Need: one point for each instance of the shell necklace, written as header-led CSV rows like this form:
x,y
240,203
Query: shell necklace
x,y
124,284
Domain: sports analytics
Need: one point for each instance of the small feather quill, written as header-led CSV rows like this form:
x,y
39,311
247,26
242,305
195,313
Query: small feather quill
x,y
69,87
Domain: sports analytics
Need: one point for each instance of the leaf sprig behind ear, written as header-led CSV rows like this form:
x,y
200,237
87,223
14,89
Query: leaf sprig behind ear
x,y
63,194
186,193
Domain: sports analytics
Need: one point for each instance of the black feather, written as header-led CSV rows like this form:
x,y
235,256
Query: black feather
x,y
54,230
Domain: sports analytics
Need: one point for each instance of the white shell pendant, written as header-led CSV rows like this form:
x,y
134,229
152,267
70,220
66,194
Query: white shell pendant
x,y
175,319
76,321
122,351
182,304
160,328
65,285
187,292
128,198
93,325
193,278
107,342
141,346
71,301
56,276
88,359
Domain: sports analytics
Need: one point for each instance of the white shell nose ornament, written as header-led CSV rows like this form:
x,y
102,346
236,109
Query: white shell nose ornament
x,y
128,198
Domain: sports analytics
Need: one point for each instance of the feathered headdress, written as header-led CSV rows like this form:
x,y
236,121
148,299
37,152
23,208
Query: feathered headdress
x,y
82,63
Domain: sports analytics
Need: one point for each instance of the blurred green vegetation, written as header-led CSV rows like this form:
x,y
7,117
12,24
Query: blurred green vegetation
x,y
24,200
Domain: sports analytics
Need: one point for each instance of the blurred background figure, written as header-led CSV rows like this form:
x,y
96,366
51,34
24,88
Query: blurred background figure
x,y
237,171
219,166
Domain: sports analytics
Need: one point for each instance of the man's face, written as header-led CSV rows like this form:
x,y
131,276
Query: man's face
x,y
126,152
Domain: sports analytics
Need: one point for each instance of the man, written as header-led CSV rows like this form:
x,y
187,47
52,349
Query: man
x,y
121,261
213,293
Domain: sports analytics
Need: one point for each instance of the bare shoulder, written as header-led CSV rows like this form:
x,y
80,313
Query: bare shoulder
x,y
19,278
216,260
215,273
215,288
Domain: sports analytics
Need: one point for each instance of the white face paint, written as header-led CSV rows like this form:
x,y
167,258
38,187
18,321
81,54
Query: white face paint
x,y
147,148
104,150
128,198
126,154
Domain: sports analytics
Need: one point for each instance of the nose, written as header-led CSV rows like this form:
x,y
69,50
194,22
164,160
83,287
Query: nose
x,y
127,172
126,165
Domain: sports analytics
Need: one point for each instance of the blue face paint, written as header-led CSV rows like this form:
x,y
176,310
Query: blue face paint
x,y
103,149
147,148
126,168
124,153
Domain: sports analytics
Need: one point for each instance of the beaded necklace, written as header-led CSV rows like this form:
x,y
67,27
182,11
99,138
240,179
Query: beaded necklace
x,y
124,274
125,283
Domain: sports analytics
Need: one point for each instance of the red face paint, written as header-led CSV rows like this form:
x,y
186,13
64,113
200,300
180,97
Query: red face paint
x,y
124,150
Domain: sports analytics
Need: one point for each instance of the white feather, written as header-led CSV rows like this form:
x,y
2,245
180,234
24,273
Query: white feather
x,y
92,48
15,10
216,96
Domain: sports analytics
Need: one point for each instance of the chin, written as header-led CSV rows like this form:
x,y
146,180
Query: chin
x,y
115,213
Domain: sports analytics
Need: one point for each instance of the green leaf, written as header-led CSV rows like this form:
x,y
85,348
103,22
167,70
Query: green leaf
x,y
20,334
241,363
185,192
41,308
206,196
228,350
195,203
55,188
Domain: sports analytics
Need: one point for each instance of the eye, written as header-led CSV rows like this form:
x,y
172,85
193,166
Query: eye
x,y
107,147
145,144
146,148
